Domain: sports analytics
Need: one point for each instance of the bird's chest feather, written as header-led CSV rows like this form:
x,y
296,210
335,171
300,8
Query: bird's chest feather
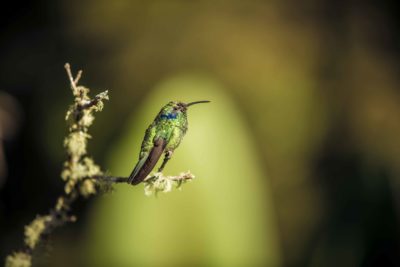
x,y
170,124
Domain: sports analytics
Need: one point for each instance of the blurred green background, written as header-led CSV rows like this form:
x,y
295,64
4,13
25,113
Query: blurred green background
x,y
296,158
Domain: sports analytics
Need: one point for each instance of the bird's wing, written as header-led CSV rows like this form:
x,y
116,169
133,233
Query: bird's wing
x,y
147,163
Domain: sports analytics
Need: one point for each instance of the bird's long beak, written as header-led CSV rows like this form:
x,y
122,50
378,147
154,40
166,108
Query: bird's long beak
x,y
197,102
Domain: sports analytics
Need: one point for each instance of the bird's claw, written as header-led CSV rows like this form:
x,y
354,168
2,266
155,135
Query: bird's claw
x,y
168,154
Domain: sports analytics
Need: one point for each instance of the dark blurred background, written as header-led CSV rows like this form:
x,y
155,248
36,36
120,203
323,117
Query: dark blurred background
x,y
297,156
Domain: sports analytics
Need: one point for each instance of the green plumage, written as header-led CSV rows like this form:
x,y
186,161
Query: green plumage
x,y
162,136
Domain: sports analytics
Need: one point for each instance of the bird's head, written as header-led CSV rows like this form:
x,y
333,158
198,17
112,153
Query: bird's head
x,y
174,108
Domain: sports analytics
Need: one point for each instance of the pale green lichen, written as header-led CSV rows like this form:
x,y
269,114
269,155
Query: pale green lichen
x,y
84,107
68,114
34,230
76,143
92,169
75,172
69,186
87,188
87,118
18,259
60,204
157,182
79,167
100,98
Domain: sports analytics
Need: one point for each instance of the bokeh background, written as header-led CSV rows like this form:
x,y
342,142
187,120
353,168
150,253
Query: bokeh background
x,y
296,159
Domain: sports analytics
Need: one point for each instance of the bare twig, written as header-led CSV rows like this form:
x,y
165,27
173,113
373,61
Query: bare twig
x,y
78,77
72,81
111,179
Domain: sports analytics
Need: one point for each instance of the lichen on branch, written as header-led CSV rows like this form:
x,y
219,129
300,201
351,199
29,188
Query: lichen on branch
x,y
80,116
19,259
82,176
77,168
158,182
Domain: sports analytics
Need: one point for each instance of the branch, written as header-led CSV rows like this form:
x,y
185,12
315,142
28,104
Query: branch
x,y
77,166
82,176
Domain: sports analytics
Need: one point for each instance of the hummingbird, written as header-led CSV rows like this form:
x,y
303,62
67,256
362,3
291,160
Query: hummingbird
x,y
163,135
